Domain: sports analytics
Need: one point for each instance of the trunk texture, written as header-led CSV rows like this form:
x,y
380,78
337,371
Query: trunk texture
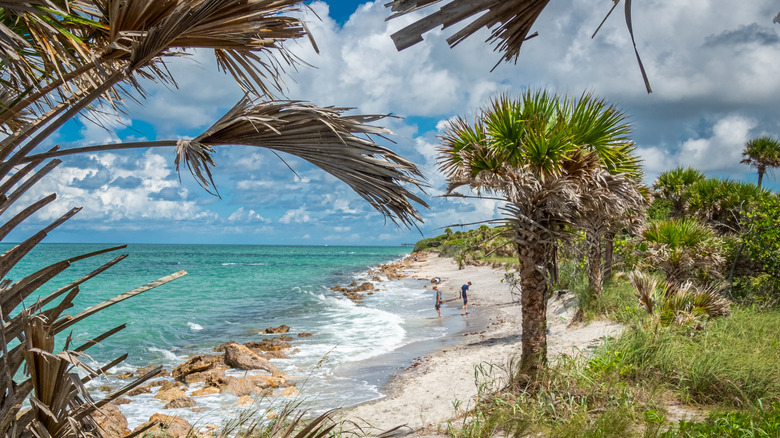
x,y
534,301
555,276
593,241
609,249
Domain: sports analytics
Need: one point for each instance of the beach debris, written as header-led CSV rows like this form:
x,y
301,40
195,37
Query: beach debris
x,y
277,330
241,357
167,426
111,421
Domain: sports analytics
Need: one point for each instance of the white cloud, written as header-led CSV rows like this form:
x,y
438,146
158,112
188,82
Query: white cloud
x,y
299,215
246,216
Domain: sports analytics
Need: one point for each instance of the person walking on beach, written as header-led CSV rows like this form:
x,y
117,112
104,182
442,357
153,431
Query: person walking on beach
x,y
464,293
438,300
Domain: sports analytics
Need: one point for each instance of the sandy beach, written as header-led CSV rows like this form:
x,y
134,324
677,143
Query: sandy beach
x,y
443,385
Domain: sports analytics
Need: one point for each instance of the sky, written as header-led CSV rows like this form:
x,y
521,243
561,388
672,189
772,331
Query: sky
x,y
713,66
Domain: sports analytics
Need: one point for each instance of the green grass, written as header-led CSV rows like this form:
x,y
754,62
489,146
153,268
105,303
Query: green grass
x,y
731,362
758,422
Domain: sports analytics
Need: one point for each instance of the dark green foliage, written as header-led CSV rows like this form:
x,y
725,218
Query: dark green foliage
x,y
482,244
763,240
660,209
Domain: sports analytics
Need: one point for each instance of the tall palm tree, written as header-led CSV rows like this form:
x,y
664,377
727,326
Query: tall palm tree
x,y
763,153
526,152
62,58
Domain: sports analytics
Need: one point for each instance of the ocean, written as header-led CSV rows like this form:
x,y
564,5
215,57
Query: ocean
x,y
230,293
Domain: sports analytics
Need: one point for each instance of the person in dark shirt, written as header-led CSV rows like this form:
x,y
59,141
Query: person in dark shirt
x,y
464,293
438,300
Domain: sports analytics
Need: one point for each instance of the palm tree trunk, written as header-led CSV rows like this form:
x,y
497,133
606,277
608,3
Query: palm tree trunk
x,y
593,241
760,175
534,307
555,277
609,250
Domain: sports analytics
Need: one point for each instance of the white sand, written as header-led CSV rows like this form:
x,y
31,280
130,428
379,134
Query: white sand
x,y
422,397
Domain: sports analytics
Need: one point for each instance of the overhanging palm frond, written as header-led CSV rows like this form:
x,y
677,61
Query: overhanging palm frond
x,y
322,136
510,21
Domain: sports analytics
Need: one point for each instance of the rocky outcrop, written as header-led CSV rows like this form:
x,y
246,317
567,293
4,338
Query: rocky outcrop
x,y
241,357
111,422
269,345
168,426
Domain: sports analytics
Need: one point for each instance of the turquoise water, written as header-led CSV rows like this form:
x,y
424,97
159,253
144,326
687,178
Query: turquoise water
x,y
230,292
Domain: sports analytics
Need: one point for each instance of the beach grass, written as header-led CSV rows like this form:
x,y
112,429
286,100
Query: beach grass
x,y
625,387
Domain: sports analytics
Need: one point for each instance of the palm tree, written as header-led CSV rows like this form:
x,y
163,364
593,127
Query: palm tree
x,y
675,185
62,58
763,153
682,249
528,153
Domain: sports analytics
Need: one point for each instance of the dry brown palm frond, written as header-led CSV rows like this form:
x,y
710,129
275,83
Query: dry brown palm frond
x,y
509,21
337,143
645,286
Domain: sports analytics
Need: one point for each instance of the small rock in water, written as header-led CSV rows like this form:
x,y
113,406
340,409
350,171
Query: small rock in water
x,y
139,390
305,335
124,376
245,400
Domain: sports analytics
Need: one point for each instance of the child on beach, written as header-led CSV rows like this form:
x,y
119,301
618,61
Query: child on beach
x,y
465,295
438,300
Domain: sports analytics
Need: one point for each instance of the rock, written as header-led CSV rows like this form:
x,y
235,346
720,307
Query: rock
x,y
170,394
196,410
111,422
285,338
290,391
268,381
144,370
376,279
122,401
364,287
139,390
170,384
181,402
305,335
207,390
189,379
269,345
169,426
245,400
241,357
106,388
240,387
271,354
124,376
275,330
197,364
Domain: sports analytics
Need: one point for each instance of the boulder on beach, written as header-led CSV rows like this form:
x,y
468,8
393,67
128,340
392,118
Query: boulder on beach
x,y
139,390
277,330
147,369
241,357
167,426
219,371
170,394
111,422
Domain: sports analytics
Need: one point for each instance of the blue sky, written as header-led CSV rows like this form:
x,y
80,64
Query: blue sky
x,y
713,67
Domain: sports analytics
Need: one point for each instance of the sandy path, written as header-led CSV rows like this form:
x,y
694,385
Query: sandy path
x,y
423,397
